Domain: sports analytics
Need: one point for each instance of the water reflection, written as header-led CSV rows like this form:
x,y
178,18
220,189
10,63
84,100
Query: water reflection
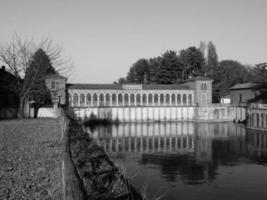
x,y
188,153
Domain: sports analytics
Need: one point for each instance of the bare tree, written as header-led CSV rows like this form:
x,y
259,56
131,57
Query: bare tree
x,y
18,55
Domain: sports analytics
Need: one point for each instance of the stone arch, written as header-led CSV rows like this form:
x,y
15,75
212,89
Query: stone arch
x,y
184,99
150,99
101,99
107,99
144,100
75,99
156,99
113,99
132,99
126,99
70,100
95,99
138,100
173,100
82,99
167,98
179,99
161,99
120,99
190,99
88,99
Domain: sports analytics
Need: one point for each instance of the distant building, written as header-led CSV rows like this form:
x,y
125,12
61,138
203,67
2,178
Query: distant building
x,y
9,101
57,86
225,99
242,93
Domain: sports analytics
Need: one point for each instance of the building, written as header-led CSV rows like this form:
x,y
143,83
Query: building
x,y
225,99
242,93
9,101
57,86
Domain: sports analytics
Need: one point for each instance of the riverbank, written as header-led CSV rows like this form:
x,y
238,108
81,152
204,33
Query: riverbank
x,y
30,156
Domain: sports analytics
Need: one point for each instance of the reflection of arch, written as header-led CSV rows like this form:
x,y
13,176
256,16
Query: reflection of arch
x,y
150,97
167,99
138,99
107,100
114,99
88,99
95,99
82,100
70,99
179,99
161,99
184,99
144,99
132,99
156,99
75,99
126,99
173,99
120,99
190,99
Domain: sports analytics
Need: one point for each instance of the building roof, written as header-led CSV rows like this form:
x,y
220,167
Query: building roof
x,y
49,76
78,86
243,86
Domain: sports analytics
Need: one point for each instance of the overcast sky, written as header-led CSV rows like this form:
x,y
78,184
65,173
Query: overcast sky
x,y
104,38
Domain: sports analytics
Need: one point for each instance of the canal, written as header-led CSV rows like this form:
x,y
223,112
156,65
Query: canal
x,y
187,160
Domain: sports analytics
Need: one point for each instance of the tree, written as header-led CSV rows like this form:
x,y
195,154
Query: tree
x,y
18,55
212,59
259,72
139,72
170,68
193,62
121,80
41,66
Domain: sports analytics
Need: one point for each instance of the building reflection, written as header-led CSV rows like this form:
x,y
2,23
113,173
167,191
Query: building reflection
x,y
192,150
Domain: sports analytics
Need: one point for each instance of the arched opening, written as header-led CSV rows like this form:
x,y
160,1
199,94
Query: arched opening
x,y
178,99
95,99
156,99
101,100
138,100
82,100
167,99
113,97
161,98
120,99
132,99
88,100
70,100
126,100
190,99
53,85
184,99
150,97
173,99
258,120
144,100
107,99
75,99
262,121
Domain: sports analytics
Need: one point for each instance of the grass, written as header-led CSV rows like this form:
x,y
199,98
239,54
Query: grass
x,y
30,159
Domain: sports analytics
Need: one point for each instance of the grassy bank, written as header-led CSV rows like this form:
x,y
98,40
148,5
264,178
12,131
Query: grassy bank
x,y
30,159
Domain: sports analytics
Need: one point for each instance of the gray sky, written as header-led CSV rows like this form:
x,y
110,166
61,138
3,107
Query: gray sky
x,y
104,38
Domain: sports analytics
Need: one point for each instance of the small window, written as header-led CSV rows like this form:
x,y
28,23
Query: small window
x,y
53,85
240,97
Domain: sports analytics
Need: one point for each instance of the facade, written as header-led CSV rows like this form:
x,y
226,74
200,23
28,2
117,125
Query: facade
x,y
242,93
257,117
57,86
9,101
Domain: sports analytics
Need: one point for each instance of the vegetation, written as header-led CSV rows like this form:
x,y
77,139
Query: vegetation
x,y
26,61
173,68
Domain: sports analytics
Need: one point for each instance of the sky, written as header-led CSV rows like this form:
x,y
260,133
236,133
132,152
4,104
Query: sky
x,y
104,38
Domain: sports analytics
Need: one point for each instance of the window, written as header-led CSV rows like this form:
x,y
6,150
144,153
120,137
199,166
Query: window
x,y
53,85
144,99
240,98
138,99
132,99
156,99
101,99
75,100
70,100
167,99
161,99
114,99
120,99
82,99
107,100
190,99
173,99
150,97
88,99
178,99
95,99
126,99
184,99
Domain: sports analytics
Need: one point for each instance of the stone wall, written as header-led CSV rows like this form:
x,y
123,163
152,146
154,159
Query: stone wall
x,y
182,113
257,117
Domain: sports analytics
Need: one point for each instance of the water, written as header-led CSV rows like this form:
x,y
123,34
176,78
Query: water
x,y
190,160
